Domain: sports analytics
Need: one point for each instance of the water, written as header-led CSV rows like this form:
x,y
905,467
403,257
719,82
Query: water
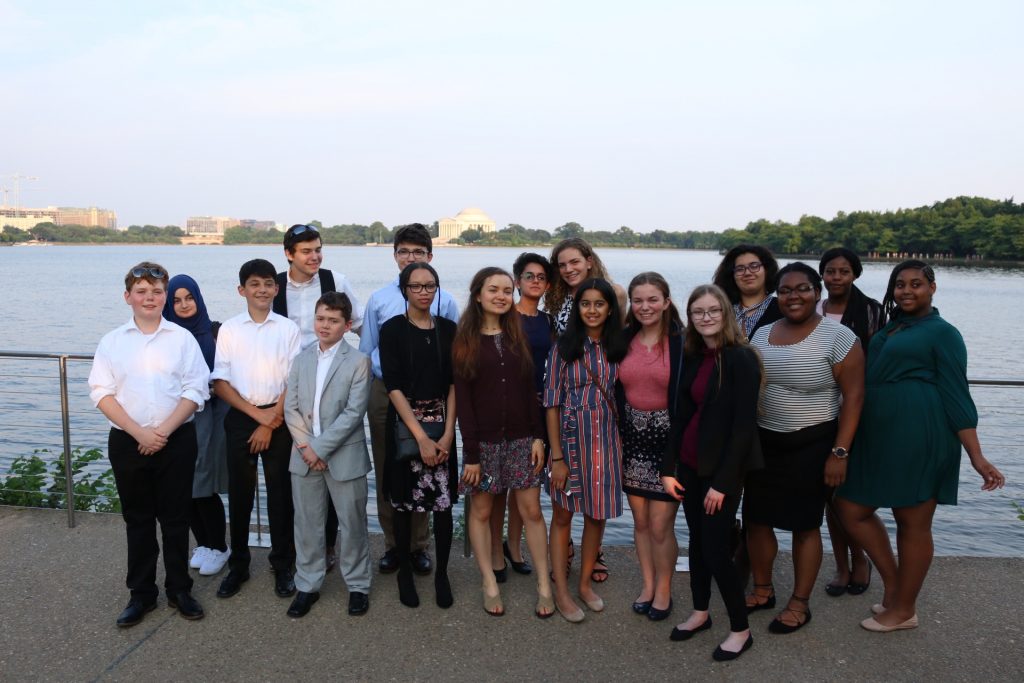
x,y
63,299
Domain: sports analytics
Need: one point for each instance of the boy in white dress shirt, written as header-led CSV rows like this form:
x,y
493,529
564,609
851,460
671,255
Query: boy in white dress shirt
x,y
148,378
254,354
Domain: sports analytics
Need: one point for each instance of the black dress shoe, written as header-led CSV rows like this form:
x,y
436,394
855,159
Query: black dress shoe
x,y
232,583
720,655
421,563
301,604
284,585
187,606
358,603
523,567
134,612
642,606
685,634
388,562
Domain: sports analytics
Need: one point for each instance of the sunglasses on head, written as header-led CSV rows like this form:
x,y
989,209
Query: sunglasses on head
x,y
300,229
143,271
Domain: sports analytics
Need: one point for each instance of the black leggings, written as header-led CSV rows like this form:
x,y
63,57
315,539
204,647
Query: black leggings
x,y
710,551
207,522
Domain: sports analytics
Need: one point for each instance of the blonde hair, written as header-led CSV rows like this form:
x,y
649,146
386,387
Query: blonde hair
x,y
729,335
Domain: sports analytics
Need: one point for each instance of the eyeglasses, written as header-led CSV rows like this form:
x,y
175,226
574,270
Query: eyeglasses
x,y
700,314
406,253
417,287
800,289
754,267
530,277
300,228
143,271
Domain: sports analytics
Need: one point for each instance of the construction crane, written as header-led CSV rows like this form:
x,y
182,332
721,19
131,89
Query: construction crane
x,y
17,177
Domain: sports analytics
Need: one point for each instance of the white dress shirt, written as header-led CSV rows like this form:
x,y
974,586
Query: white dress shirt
x,y
149,374
302,298
323,364
254,358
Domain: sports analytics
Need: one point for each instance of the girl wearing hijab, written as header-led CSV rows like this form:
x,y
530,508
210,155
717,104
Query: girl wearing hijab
x,y
185,307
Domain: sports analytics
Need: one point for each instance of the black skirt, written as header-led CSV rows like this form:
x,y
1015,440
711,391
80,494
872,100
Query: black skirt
x,y
790,492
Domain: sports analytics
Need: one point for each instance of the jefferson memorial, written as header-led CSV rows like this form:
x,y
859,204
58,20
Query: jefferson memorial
x,y
471,218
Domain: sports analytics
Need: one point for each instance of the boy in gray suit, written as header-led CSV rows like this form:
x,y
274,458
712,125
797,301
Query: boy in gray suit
x,y
328,390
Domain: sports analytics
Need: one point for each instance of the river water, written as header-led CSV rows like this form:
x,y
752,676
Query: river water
x,y
63,299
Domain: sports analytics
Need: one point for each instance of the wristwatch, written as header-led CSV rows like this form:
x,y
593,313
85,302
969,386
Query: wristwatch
x,y
840,452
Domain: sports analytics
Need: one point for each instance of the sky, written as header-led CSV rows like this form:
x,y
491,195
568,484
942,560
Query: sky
x,y
654,115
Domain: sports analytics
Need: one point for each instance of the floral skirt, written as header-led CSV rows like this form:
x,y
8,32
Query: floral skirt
x,y
508,465
411,485
644,436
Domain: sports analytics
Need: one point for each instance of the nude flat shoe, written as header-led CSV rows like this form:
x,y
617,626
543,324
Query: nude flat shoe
x,y
877,608
572,617
595,605
871,625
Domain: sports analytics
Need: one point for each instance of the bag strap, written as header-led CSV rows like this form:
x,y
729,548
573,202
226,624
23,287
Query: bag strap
x,y
440,365
597,383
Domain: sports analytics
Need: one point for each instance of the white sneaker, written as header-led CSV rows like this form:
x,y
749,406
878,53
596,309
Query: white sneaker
x,y
198,557
214,562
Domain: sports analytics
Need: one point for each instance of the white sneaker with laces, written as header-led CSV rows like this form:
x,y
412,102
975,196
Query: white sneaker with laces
x,y
215,561
198,557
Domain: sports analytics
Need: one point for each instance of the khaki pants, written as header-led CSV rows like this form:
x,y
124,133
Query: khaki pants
x,y
377,413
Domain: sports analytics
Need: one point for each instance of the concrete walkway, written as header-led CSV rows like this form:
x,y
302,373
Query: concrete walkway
x,y
63,588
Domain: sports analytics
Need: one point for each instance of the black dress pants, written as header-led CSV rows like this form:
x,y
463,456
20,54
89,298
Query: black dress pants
x,y
710,549
155,488
242,480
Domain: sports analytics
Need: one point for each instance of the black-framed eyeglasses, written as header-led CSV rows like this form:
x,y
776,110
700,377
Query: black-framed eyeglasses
x,y
530,277
417,287
805,288
301,228
405,253
700,313
155,273
754,267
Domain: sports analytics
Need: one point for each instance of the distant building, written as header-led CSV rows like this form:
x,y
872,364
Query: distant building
x,y
471,218
92,216
209,225
65,215
253,224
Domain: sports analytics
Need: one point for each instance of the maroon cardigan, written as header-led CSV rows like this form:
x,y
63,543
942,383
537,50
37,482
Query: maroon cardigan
x,y
499,404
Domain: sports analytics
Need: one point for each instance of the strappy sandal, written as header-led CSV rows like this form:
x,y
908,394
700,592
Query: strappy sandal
x,y
599,574
767,604
781,627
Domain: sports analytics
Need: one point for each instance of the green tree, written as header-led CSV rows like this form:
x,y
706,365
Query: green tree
x,y
568,230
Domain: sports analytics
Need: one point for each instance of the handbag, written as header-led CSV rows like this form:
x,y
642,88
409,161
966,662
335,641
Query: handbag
x,y
406,447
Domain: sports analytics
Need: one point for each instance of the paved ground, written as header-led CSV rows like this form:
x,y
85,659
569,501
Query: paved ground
x,y
63,589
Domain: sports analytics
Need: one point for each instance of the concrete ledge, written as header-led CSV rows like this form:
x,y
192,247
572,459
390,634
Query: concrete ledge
x,y
63,589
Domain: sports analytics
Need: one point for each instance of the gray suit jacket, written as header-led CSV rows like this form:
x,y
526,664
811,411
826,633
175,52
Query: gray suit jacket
x,y
342,440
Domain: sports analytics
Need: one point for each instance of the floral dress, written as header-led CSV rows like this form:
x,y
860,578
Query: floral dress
x,y
589,432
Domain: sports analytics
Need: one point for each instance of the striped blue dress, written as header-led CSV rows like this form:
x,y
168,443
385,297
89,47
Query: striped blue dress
x,y
589,433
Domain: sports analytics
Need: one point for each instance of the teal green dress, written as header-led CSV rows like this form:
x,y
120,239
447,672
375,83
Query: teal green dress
x,y
916,400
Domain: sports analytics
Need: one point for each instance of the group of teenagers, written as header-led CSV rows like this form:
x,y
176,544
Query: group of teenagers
x,y
786,389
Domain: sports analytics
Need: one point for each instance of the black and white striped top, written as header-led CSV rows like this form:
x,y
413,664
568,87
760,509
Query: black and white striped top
x,y
800,390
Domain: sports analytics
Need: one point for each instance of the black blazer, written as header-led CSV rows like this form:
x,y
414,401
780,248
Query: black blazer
x,y
675,367
728,443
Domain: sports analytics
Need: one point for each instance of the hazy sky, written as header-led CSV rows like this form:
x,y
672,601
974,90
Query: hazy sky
x,y
675,115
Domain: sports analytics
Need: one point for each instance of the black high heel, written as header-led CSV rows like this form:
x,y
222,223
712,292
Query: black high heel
x,y
523,567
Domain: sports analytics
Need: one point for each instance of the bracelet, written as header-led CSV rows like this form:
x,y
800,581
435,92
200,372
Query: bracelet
x,y
557,459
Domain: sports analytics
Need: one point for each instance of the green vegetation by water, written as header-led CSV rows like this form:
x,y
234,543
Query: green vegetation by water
x,y
962,227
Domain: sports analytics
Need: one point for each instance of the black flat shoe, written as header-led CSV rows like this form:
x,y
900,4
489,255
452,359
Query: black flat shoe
x,y
284,585
421,563
302,603
232,583
523,567
358,603
685,634
835,590
767,604
858,588
720,655
782,628
501,575
642,607
134,612
655,614
187,606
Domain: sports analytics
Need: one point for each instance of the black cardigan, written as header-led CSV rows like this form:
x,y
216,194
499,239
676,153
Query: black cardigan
x,y
728,443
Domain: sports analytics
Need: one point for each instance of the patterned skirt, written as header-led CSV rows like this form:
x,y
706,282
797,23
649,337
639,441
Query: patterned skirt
x,y
413,486
644,436
507,463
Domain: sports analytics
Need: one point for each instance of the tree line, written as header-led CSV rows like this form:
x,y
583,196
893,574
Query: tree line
x,y
960,227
